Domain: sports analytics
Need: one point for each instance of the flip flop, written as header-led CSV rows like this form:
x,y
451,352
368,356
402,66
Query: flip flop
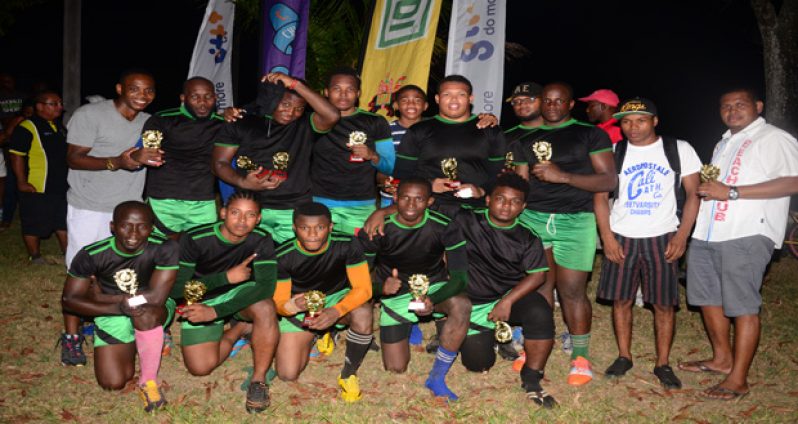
x,y
725,394
699,366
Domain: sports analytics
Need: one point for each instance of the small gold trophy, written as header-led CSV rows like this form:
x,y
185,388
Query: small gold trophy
x,y
508,161
449,169
314,300
193,291
280,164
356,137
127,281
245,163
504,333
709,172
542,151
151,139
419,285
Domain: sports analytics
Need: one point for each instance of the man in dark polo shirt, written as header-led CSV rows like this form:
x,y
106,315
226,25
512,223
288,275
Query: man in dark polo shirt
x,y
601,104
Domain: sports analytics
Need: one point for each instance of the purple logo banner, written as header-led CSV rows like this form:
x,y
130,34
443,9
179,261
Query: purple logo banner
x,y
285,36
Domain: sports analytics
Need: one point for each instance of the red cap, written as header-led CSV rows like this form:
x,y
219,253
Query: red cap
x,y
608,97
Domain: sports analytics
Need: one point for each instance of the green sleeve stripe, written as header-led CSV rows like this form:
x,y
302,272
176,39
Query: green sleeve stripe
x,y
166,267
496,158
542,269
287,280
77,276
608,149
456,246
515,162
188,263
357,264
267,261
384,140
406,157
370,254
224,144
313,125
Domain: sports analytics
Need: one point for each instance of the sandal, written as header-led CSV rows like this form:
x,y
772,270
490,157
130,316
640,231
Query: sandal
x,y
721,393
699,366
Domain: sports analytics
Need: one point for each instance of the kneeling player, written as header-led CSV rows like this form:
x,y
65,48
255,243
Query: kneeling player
x,y
236,263
414,241
333,264
131,262
506,265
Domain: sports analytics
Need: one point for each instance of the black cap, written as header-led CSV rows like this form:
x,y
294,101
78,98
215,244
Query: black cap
x,y
526,89
639,105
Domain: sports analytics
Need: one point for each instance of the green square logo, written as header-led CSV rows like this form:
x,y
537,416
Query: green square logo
x,y
403,21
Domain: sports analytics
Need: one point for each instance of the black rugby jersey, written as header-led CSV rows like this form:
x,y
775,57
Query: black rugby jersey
x,y
188,146
498,257
517,132
324,270
333,175
206,255
572,143
103,260
480,153
416,250
259,138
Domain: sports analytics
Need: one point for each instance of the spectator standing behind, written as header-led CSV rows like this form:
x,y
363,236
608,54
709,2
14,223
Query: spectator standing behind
x,y
601,104
11,113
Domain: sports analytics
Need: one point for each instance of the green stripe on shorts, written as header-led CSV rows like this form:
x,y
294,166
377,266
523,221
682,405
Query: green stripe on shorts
x,y
396,306
572,236
118,329
479,322
191,334
293,324
277,222
347,219
181,215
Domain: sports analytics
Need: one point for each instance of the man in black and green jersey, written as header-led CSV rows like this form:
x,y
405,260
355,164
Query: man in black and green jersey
x,y
286,128
525,101
560,208
506,266
181,191
415,241
236,262
453,134
346,160
134,272
333,264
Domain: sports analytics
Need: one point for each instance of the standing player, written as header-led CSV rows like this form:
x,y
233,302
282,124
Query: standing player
x,y
181,191
346,160
131,257
560,209
335,265
285,128
414,241
506,266
525,101
236,262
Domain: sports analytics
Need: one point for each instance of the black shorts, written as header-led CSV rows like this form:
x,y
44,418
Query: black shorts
x,y
41,214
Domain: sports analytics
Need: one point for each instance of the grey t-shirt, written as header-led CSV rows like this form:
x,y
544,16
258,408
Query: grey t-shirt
x,y
102,128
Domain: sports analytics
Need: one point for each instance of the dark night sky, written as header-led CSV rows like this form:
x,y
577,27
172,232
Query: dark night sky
x,y
680,54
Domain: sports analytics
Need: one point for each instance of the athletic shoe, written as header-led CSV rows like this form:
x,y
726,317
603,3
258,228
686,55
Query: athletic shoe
x,y
72,350
667,378
567,344
350,388
580,372
619,367
542,398
36,260
325,344
257,397
239,344
168,344
152,396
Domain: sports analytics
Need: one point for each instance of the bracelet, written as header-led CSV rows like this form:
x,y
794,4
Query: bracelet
x,y
109,165
293,84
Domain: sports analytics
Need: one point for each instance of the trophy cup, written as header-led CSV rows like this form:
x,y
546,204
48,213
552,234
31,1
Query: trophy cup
x,y
280,164
708,173
504,333
245,163
449,169
193,291
314,300
356,137
127,281
542,151
419,284
508,161
151,139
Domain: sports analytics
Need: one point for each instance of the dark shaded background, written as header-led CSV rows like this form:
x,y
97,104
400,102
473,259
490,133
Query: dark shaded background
x,y
681,54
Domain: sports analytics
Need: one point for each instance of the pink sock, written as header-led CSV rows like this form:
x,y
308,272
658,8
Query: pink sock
x,y
149,344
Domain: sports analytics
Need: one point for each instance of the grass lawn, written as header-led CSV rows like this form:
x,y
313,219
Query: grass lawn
x,y
36,388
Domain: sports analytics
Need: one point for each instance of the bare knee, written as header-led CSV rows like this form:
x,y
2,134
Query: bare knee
x,y
623,304
199,370
459,308
360,320
112,383
288,375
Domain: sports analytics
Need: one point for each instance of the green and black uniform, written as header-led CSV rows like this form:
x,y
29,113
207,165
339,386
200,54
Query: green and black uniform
x,y
415,250
205,255
560,214
181,191
259,138
517,132
103,260
480,155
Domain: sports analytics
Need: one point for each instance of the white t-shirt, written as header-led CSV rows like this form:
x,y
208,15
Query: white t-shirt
x,y
758,153
646,203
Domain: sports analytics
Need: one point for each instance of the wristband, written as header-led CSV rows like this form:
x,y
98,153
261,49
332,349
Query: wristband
x,y
292,86
109,165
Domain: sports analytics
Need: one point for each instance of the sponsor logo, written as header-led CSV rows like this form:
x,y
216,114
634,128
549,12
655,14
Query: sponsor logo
x,y
403,21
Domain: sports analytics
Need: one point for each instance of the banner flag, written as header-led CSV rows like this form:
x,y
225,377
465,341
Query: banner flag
x,y
476,50
399,50
213,50
285,36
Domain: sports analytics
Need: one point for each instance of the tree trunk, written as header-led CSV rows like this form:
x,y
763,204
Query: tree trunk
x,y
71,73
779,31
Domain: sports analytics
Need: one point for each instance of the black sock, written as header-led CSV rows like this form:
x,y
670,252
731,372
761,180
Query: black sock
x,y
357,345
530,379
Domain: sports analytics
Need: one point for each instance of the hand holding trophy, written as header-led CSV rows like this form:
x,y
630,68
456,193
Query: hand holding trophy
x,y
315,301
542,150
709,173
356,138
503,333
419,285
280,165
127,281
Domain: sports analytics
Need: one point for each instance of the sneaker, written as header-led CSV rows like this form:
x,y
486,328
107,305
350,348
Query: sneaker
x,y
72,350
350,389
567,344
237,346
257,397
581,372
325,344
619,367
36,260
667,378
152,396
168,344
542,398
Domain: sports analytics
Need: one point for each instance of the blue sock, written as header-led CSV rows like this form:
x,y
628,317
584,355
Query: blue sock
x,y
437,377
416,336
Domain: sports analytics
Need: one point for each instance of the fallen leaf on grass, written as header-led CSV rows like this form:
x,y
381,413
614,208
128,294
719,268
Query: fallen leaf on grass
x,y
67,416
692,351
781,409
45,305
793,394
78,380
180,399
207,393
294,400
748,412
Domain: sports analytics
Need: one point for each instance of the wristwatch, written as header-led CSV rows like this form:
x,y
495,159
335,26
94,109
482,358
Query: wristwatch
x,y
733,193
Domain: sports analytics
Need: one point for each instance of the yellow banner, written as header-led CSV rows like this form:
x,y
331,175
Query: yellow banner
x,y
399,50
